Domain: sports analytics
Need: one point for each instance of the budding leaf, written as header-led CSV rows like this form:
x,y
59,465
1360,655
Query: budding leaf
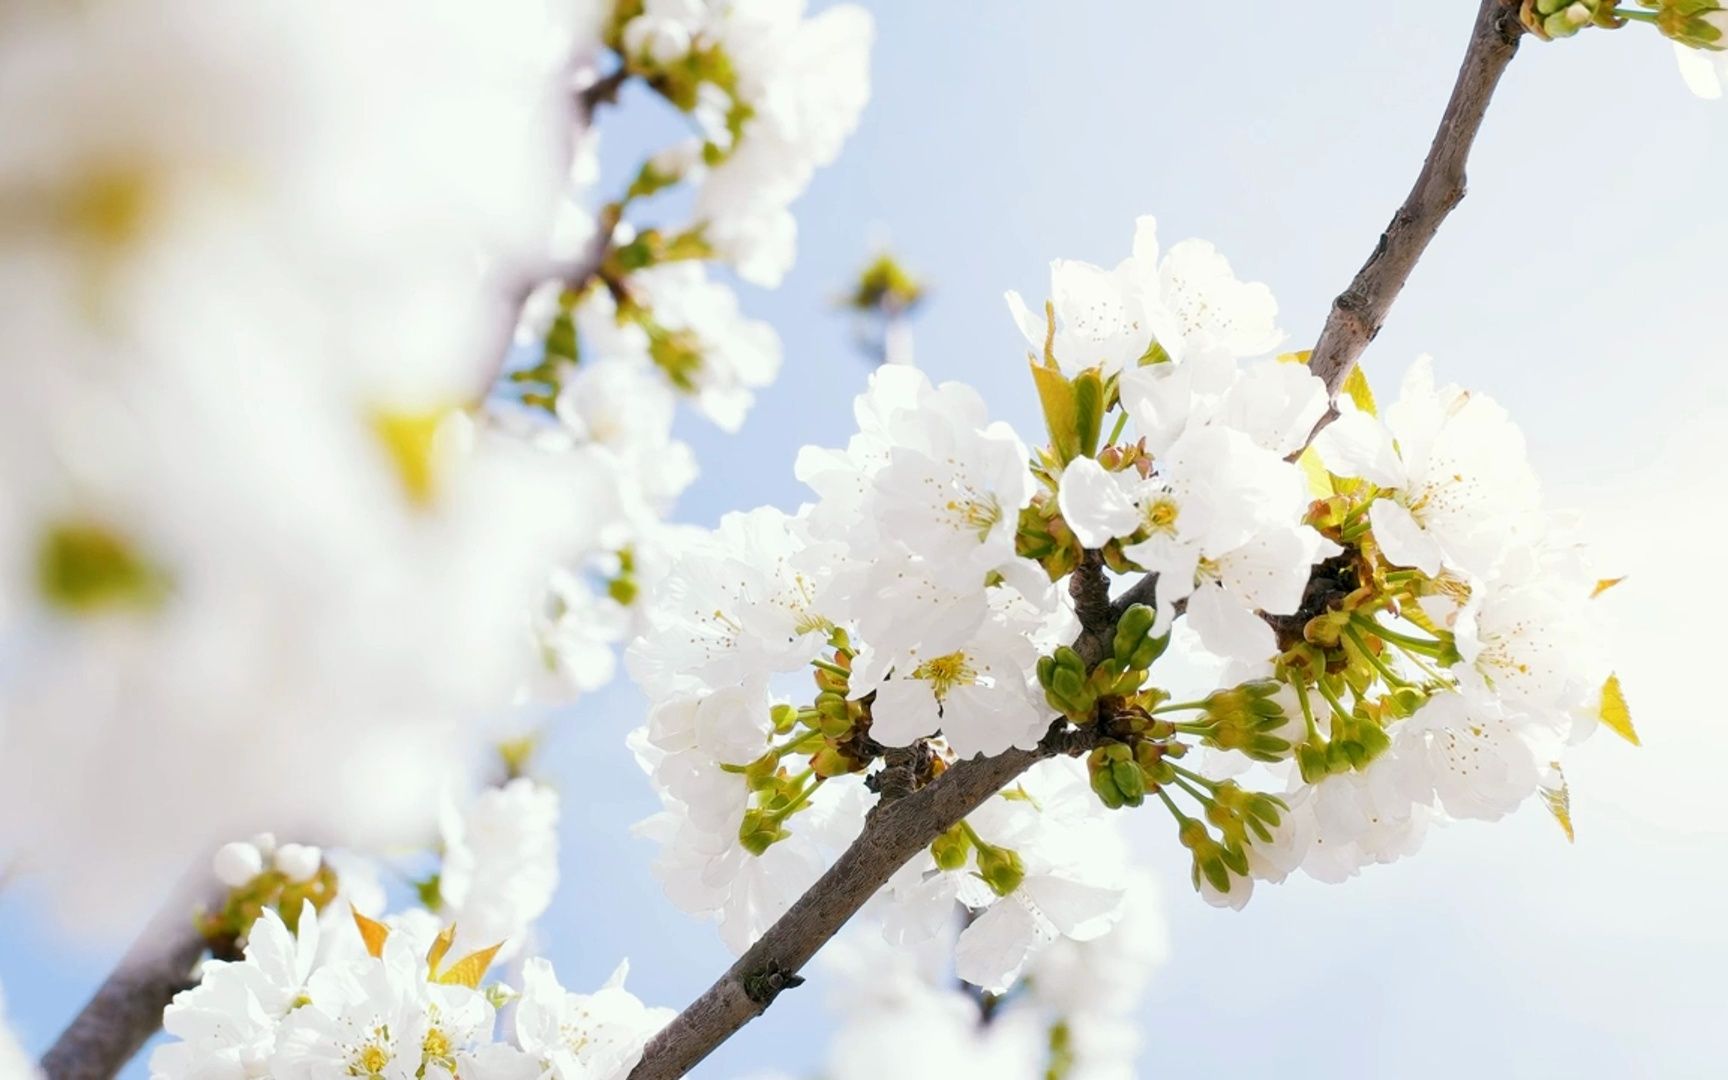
x,y
469,970
1615,713
1356,386
372,932
1061,414
440,946
1558,798
1604,585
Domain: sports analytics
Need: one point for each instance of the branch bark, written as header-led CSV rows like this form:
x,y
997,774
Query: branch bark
x,y
127,1008
896,831
1360,310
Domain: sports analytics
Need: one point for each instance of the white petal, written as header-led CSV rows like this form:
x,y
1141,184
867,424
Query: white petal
x,y
1357,444
992,950
1227,627
1095,503
904,711
1404,541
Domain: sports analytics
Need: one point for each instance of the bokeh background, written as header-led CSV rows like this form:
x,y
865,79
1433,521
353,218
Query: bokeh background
x,y
1581,284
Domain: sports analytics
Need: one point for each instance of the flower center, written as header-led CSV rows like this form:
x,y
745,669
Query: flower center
x,y
1161,514
975,513
946,672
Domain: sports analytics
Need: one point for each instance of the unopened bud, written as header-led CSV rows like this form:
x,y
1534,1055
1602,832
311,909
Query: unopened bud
x,y
1000,868
1134,646
237,863
299,862
952,848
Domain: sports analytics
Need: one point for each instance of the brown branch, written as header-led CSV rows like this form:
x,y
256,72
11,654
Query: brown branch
x,y
1360,310
897,831
127,1008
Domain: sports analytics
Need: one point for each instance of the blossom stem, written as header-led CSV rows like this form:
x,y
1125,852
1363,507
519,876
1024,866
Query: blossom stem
x,y
1392,678
1194,792
1170,804
1338,708
1116,432
1211,785
1427,646
1635,15
801,798
1181,706
831,668
1307,712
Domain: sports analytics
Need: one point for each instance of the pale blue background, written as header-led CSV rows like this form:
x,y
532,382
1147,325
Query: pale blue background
x,y
1580,284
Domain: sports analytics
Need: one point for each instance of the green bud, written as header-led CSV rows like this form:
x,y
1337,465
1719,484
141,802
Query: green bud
x,y
1066,685
1000,868
1105,769
1134,647
829,762
1111,679
1312,761
760,831
952,848
784,718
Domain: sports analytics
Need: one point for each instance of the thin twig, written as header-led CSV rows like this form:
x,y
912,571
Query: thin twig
x,y
1360,310
897,831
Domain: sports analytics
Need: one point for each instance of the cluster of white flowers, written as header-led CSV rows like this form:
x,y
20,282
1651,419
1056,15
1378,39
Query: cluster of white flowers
x,y
1396,636
364,998
900,591
260,491
1396,616
332,991
774,95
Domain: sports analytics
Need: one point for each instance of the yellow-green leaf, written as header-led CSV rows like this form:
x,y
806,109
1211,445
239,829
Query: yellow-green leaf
x,y
1089,410
469,970
1558,798
1614,711
1061,416
1356,386
372,932
1604,585
1319,480
1296,357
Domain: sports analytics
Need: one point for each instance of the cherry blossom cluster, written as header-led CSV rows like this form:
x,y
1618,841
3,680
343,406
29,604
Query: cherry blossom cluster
x,y
270,494
308,978
1322,643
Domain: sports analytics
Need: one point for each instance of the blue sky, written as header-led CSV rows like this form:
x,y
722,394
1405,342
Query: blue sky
x,y
1578,284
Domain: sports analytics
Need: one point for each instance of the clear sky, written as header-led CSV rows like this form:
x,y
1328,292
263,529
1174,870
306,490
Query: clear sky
x,y
1579,284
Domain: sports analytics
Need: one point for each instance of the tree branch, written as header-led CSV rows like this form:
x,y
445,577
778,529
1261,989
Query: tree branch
x,y
127,1008
1360,310
897,831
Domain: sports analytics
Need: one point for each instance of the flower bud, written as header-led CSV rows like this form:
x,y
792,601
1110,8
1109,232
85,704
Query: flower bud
x,y
1134,646
236,864
1066,685
831,761
1000,868
299,862
759,831
952,848
1115,776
